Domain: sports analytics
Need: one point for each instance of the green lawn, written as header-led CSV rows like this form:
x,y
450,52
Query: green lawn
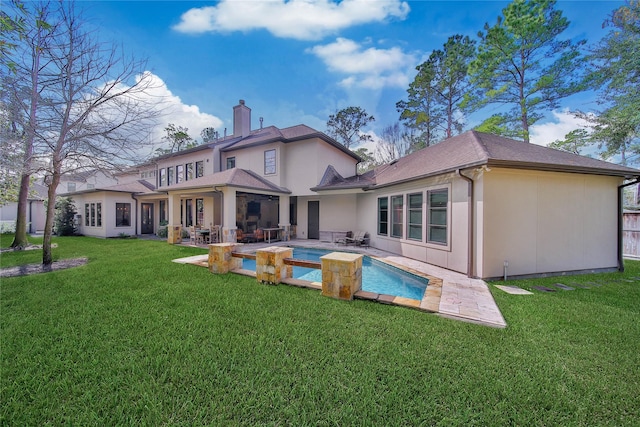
x,y
134,339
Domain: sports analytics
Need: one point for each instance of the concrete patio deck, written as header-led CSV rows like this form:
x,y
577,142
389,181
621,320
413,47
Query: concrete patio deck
x,y
449,294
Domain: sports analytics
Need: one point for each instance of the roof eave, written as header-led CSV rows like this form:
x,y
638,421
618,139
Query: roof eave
x,y
546,167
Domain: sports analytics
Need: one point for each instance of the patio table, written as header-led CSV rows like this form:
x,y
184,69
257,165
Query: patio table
x,y
268,233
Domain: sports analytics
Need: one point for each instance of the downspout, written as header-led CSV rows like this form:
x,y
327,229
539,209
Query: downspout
x,y
620,222
136,215
470,222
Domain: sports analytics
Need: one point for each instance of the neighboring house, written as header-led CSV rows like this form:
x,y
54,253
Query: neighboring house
x,y
475,203
36,213
84,180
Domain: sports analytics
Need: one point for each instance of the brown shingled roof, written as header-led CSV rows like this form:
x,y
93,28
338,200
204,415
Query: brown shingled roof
x,y
473,149
235,177
291,134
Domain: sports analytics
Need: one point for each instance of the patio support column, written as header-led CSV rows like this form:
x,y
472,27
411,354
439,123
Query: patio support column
x,y
284,221
174,230
229,215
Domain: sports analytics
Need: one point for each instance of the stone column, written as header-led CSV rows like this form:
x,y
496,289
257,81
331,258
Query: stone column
x,y
341,275
270,266
174,229
220,259
174,234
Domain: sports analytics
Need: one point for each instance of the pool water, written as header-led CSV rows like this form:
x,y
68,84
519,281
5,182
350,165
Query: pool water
x,y
377,276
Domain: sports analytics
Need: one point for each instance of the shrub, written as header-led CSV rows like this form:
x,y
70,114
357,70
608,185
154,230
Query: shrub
x,y
65,217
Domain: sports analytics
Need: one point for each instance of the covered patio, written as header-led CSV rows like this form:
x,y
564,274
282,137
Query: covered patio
x,y
236,202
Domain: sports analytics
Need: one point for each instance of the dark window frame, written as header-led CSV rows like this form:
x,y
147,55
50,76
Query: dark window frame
x,y
123,214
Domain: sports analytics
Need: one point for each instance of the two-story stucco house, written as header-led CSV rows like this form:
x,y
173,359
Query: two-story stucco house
x,y
475,203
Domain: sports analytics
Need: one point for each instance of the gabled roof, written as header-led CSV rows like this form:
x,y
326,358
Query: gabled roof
x,y
332,180
271,134
473,149
135,187
235,177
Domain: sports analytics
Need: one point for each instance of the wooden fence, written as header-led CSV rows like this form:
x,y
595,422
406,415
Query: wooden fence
x,y
631,234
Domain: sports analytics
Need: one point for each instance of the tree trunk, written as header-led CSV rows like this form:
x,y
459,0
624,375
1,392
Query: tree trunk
x,y
20,238
47,256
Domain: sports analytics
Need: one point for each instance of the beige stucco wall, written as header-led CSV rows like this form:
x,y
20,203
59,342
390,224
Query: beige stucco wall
x,y
452,256
545,222
338,213
108,200
300,165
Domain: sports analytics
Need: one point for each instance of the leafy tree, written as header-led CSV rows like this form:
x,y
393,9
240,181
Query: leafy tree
x,y
522,63
573,142
435,96
421,111
208,134
65,217
498,124
368,160
616,72
178,137
346,126
452,82
616,131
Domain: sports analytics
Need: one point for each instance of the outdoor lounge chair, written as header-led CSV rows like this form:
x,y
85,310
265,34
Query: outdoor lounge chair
x,y
359,239
343,240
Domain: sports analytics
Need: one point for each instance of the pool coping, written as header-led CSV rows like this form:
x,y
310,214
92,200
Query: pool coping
x,y
449,294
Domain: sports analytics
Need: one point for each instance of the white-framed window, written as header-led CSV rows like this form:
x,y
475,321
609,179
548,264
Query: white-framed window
x,y
397,205
270,162
93,214
71,187
437,216
414,216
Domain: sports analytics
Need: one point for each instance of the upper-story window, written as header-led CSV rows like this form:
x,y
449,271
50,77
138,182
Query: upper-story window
x,y
163,177
169,176
188,171
71,186
231,162
270,162
199,169
179,173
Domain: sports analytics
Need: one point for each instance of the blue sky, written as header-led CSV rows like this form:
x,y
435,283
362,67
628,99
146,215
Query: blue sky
x,y
299,61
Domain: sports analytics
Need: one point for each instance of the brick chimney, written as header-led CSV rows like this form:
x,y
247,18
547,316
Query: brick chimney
x,y
241,119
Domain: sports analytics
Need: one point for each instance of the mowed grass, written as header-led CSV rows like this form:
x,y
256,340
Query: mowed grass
x,y
134,339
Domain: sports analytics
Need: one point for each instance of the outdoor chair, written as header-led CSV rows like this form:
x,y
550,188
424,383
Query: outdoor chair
x,y
359,239
343,240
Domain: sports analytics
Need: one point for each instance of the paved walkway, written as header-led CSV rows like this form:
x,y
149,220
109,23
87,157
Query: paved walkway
x,y
449,294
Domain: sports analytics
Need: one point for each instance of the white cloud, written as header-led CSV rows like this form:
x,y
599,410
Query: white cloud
x,y
168,108
563,122
176,112
297,19
371,68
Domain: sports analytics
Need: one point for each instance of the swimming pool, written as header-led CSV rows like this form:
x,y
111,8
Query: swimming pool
x,y
377,276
